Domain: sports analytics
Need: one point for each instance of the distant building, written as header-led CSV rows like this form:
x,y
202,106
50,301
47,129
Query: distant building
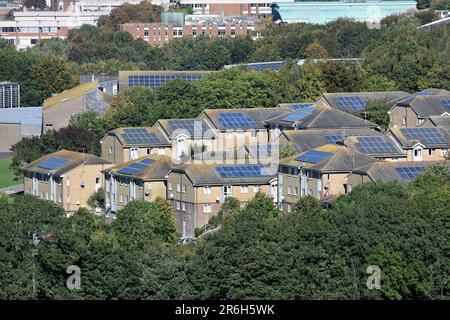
x,y
106,83
9,95
322,12
66,178
16,123
155,79
190,26
59,109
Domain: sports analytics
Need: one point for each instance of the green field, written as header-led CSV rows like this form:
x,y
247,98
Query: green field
x,y
6,174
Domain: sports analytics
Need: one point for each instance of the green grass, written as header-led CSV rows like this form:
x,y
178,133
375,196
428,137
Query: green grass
x,y
6,174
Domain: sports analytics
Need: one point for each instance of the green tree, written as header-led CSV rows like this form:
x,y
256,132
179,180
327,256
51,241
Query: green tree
x,y
311,83
377,82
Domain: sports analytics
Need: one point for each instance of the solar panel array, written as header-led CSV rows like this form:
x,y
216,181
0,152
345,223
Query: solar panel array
x,y
139,136
423,93
190,125
136,166
242,171
154,81
314,156
446,103
301,105
409,172
425,135
236,120
370,145
299,114
52,163
335,137
351,102
263,66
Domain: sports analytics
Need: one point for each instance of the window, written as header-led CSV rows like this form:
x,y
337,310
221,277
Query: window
x,y
34,41
97,180
121,198
289,208
178,187
256,188
8,29
254,133
178,205
228,135
404,120
169,186
289,189
183,206
194,32
149,151
431,152
68,181
221,32
207,190
244,189
295,191
206,208
233,32
145,33
183,188
161,151
60,198
68,198
110,150
46,196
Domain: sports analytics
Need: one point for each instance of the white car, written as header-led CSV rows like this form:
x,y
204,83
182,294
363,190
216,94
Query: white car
x,y
187,240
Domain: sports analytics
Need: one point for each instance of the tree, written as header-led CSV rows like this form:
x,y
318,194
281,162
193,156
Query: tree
x,y
36,4
338,77
437,77
97,199
315,51
377,112
311,84
376,82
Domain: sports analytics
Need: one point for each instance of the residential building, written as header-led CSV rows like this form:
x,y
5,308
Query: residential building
x,y
125,144
401,172
106,83
103,6
141,179
415,109
66,178
59,109
320,172
422,143
253,8
322,12
357,101
380,147
9,95
17,123
192,26
155,79
197,191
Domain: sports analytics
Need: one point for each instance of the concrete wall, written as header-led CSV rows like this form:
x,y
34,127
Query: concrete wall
x,y
398,114
10,133
59,116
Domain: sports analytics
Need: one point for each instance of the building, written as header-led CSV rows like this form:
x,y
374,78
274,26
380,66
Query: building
x,y
155,79
401,172
66,178
357,101
141,179
320,172
9,95
422,143
197,192
322,12
103,6
17,123
106,83
191,26
252,8
59,109
380,147
125,144
28,28
415,109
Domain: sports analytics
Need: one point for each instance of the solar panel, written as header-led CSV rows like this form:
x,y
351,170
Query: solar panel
x,y
242,171
189,125
154,81
425,135
370,145
351,102
335,137
314,156
446,103
423,93
263,66
52,163
298,114
136,166
139,136
409,172
236,120
301,105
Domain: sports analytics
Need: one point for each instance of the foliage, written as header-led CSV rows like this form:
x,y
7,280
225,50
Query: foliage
x,y
376,112
97,199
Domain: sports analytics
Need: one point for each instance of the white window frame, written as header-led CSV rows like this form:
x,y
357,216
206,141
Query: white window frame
x,y
207,190
207,208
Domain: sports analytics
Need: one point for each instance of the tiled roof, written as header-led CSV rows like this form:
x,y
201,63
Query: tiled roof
x,y
119,133
157,170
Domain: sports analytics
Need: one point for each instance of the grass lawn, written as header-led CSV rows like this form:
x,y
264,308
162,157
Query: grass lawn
x,y
6,174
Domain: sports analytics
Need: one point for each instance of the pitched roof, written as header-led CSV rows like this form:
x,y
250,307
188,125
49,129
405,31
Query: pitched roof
x,y
323,117
192,127
389,96
303,140
21,115
74,159
70,94
425,106
375,146
206,174
399,134
121,136
385,171
257,116
156,170
342,159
